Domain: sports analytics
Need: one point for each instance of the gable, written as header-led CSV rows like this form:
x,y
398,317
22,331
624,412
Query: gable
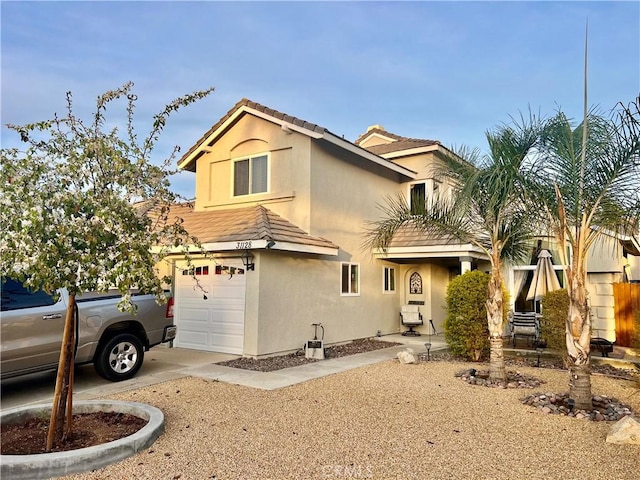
x,y
287,124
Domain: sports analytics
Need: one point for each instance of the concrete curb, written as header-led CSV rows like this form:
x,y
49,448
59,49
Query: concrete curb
x,y
48,465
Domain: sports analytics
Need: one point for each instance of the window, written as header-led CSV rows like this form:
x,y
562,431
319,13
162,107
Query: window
x,y
15,295
389,280
250,175
196,271
350,279
418,196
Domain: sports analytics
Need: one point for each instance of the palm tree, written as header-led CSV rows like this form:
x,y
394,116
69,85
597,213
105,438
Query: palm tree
x,y
488,209
593,190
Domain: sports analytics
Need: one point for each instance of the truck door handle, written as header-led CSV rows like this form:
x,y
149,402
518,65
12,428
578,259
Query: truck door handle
x,y
53,316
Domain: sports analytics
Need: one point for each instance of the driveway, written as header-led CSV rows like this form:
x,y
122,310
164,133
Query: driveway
x,y
160,364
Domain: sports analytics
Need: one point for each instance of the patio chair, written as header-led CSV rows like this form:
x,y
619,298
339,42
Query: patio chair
x,y
525,324
411,317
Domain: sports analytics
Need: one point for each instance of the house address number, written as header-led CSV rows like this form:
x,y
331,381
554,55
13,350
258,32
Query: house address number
x,y
243,245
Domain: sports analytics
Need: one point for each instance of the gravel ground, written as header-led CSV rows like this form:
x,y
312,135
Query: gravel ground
x,y
384,421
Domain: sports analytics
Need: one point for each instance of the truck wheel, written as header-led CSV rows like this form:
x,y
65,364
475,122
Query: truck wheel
x,y
119,358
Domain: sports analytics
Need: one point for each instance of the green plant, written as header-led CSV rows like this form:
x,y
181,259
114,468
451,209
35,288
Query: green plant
x,y
635,335
489,208
555,308
465,328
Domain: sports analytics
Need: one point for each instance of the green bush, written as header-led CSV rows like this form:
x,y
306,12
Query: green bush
x,y
465,328
555,308
635,335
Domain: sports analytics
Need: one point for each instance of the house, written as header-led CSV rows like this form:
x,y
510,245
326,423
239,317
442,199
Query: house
x,y
281,205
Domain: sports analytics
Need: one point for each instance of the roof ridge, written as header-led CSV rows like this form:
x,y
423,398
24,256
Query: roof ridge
x,y
263,222
245,102
391,135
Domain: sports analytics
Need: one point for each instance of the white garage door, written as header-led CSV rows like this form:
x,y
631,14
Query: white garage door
x,y
212,319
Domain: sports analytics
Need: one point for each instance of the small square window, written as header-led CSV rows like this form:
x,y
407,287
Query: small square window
x,y
350,279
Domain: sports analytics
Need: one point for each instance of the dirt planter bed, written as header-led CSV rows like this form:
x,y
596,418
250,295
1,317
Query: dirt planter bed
x,y
57,464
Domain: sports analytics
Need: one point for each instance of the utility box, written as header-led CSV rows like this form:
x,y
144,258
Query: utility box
x,y
314,349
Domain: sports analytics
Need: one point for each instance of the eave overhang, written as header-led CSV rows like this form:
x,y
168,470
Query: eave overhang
x,y
239,246
431,251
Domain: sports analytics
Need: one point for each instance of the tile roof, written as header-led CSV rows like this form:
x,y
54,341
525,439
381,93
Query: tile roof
x,y
399,143
410,236
241,224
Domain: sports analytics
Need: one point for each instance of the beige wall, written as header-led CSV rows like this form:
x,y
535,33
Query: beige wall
x,y
292,291
422,164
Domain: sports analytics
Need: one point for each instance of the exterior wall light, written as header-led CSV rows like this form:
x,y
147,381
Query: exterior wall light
x,y
247,260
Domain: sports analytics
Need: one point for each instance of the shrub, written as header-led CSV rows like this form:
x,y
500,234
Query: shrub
x,y
555,308
635,335
465,328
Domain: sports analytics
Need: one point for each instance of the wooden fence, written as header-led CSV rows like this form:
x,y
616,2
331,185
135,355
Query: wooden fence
x,y
627,303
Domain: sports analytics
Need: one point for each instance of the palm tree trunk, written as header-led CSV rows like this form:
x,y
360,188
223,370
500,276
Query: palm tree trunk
x,y
497,370
578,335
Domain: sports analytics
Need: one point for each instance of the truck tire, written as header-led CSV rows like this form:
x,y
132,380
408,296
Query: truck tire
x,y
119,358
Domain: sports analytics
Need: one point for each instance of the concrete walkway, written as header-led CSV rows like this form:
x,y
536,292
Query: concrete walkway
x,y
322,368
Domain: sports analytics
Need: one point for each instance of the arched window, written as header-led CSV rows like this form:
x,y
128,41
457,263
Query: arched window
x,y
415,283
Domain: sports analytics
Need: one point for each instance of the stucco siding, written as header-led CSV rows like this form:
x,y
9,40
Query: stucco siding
x,y
298,290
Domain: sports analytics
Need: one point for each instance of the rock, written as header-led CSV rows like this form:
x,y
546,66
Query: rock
x,y
625,432
407,356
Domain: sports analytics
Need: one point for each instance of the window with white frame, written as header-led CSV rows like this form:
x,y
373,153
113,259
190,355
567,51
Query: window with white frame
x,y
250,175
389,280
350,279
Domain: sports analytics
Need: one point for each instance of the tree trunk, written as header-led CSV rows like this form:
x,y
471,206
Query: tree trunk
x,y
580,386
578,335
60,409
497,370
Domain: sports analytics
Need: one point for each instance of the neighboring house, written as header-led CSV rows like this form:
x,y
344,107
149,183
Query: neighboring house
x,y
612,259
282,207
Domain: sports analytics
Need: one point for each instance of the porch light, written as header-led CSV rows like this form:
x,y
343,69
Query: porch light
x,y
247,260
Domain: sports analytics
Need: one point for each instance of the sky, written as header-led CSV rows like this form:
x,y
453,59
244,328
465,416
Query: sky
x,y
446,71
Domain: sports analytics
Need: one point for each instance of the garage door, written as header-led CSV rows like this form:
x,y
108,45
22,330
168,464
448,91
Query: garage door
x,y
211,317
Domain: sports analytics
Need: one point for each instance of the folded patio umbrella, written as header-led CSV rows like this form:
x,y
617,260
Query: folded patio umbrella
x,y
544,278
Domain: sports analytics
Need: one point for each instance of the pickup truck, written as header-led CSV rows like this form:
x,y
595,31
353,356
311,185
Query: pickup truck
x,y
114,341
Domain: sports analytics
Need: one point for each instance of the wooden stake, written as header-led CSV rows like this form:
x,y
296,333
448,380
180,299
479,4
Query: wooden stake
x,y
58,408
72,355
